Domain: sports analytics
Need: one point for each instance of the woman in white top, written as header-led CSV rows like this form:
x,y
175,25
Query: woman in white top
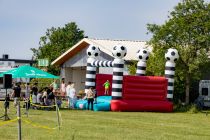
x,y
63,88
28,89
68,93
39,96
73,96
27,95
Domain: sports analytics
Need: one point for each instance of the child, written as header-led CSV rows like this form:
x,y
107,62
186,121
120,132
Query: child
x,y
106,85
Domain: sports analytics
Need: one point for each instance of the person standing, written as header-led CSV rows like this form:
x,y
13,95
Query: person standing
x,y
55,87
16,93
95,96
106,86
27,95
68,93
50,96
73,96
27,91
63,88
34,93
90,98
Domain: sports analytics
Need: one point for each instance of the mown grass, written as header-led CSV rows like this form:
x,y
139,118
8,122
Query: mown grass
x,y
85,125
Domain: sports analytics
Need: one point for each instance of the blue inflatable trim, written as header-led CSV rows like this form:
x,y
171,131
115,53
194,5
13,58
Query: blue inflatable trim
x,y
102,103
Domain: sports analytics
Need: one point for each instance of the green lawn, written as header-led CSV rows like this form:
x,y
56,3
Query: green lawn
x,y
85,125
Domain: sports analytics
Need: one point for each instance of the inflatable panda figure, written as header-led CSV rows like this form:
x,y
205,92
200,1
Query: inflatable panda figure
x,y
143,55
119,51
93,51
172,55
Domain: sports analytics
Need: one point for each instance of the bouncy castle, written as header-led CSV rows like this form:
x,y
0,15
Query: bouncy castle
x,y
130,93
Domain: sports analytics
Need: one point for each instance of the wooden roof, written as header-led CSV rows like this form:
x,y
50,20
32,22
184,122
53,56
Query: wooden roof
x,y
105,45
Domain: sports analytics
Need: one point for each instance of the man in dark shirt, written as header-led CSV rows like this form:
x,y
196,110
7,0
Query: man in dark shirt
x,y
35,89
16,93
95,95
34,93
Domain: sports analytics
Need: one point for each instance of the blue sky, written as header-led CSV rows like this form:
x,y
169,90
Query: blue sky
x,y
23,22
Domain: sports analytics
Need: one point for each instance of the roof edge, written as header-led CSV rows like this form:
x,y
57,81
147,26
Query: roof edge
x,y
85,41
59,61
117,40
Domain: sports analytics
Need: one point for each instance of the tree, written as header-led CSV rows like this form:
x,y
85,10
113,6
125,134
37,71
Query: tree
x,y
188,30
56,41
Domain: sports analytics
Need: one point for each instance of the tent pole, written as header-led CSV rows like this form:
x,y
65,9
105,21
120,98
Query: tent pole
x,y
27,99
57,112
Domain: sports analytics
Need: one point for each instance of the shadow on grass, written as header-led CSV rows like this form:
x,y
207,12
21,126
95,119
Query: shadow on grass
x,y
191,108
64,109
69,109
182,108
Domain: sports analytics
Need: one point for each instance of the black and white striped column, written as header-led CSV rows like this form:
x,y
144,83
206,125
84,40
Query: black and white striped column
x,y
119,51
99,63
117,79
143,56
90,75
141,68
171,57
169,74
92,53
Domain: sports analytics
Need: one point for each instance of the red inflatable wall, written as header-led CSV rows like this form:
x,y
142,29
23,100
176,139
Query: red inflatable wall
x,y
143,93
144,87
100,80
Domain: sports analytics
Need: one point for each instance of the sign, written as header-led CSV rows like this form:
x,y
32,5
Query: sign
x,y
43,62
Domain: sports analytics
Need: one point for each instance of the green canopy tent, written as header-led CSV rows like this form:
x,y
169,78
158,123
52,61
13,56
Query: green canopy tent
x,y
27,71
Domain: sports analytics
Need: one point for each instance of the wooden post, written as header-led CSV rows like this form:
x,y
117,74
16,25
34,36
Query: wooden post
x,y
19,118
27,102
57,112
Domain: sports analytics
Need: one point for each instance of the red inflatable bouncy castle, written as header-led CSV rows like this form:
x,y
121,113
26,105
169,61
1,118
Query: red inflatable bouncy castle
x,y
143,93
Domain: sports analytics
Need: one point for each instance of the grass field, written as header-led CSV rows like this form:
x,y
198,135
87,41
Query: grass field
x,y
88,125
